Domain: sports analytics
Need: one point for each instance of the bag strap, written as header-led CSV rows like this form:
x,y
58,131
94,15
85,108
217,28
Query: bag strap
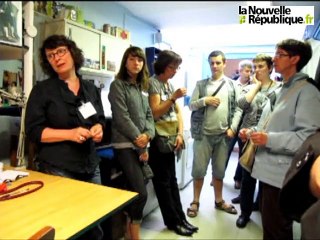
x,y
218,89
297,86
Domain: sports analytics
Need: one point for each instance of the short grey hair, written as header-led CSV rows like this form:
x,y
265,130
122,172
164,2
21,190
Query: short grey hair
x,y
245,63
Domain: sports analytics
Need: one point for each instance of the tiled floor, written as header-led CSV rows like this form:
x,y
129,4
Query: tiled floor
x,y
212,223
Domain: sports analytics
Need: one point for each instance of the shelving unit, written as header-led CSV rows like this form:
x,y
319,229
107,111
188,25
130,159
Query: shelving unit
x,y
22,51
12,52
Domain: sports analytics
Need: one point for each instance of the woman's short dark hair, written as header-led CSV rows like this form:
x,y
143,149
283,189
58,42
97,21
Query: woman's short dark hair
x,y
143,75
53,42
165,58
297,48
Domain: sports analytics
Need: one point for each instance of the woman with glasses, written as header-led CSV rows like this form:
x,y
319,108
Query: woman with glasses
x,y
162,99
281,131
65,118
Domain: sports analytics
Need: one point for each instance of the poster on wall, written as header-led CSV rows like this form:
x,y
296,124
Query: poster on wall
x,y
11,22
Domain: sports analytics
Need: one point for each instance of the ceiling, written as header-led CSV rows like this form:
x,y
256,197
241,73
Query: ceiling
x,y
186,14
207,23
172,14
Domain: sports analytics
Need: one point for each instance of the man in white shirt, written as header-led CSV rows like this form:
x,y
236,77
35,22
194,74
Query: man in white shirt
x,y
217,97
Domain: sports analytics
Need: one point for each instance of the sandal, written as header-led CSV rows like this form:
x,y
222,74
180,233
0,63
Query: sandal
x,y
226,207
193,212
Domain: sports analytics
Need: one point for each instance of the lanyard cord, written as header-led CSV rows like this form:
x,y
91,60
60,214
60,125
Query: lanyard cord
x,y
13,193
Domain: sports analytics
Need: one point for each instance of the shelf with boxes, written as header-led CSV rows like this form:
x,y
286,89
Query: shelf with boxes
x,y
102,51
10,52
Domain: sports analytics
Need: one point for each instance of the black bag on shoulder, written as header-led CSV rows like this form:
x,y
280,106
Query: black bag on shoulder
x,y
197,118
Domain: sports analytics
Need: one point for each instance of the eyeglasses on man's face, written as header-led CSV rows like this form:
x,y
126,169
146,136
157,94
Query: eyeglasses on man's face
x,y
281,55
60,52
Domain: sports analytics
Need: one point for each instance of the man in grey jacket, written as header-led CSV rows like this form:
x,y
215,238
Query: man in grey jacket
x,y
213,133
280,133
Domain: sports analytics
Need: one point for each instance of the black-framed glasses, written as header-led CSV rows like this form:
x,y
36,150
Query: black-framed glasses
x,y
60,53
281,55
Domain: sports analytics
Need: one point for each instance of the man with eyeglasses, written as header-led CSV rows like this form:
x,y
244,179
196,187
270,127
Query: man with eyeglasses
x,y
295,116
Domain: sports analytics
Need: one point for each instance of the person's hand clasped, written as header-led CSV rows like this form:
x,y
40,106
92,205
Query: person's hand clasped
x,y
259,138
244,134
96,132
142,140
212,101
80,134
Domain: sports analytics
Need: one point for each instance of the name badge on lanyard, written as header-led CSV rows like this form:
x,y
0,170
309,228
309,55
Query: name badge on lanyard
x,y
87,110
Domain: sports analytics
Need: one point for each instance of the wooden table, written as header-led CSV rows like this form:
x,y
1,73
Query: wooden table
x,y
68,205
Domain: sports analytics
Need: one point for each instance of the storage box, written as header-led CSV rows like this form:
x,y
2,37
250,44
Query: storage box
x,y
121,33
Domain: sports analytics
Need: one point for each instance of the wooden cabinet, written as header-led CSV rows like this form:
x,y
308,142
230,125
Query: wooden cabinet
x,y
102,51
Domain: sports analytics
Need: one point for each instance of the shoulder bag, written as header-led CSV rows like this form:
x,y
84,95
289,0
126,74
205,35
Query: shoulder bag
x,y
166,134
247,155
